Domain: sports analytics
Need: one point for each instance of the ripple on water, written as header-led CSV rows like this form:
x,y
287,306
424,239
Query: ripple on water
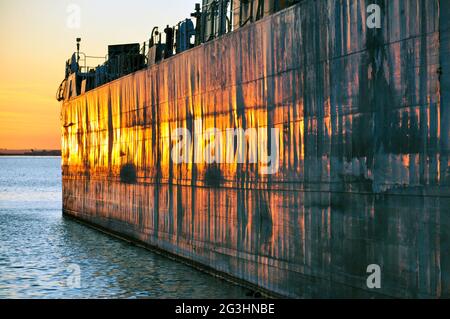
x,y
39,246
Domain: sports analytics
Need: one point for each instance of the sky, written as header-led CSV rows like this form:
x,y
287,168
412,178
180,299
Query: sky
x,y
38,36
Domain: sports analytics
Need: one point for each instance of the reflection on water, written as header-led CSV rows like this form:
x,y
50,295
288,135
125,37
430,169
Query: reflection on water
x,y
38,245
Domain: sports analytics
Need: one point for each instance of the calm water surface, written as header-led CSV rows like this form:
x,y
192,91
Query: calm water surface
x,y
40,251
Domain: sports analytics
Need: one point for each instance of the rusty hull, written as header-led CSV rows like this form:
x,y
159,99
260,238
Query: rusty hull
x,y
364,175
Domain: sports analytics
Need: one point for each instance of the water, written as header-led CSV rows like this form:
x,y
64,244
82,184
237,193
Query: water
x,y
41,252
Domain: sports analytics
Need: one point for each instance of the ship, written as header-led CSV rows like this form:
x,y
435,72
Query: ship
x,y
349,102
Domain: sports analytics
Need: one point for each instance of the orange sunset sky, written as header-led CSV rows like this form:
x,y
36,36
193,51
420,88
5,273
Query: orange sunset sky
x,y
35,43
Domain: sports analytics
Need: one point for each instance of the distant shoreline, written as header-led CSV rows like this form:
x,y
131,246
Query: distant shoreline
x,y
30,153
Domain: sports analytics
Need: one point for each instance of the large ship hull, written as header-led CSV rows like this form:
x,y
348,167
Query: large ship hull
x,y
363,177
